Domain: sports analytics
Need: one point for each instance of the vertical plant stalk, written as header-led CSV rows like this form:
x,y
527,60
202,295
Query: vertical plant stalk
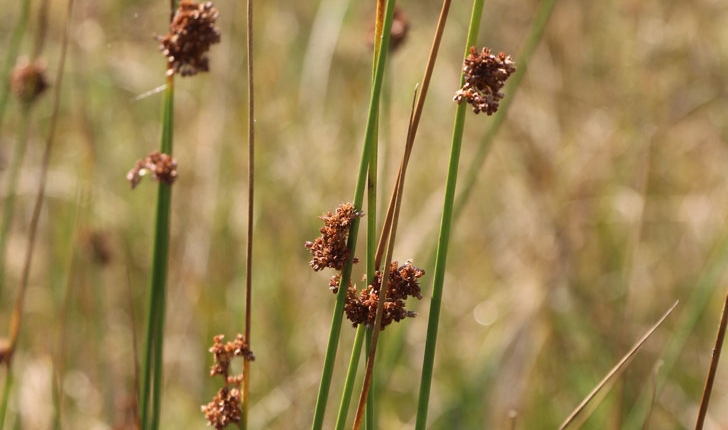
x,y
11,54
389,234
532,40
151,385
372,178
444,236
350,377
251,190
338,314
713,366
16,318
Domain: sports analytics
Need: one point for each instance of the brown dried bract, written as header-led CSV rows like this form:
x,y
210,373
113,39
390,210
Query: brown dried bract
x,y
330,250
403,283
162,167
485,75
191,34
224,409
28,80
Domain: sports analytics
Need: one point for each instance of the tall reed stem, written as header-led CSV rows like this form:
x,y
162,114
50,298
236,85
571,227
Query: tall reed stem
x,y
444,236
151,385
369,141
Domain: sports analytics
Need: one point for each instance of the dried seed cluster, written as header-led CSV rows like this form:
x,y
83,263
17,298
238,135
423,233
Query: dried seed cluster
x,y
191,34
403,283
162,166
225,409
28,80
329,250
485,75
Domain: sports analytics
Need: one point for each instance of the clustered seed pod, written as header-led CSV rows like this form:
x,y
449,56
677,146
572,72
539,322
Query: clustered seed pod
x,y
191,34
28,80
485,75
403,283
330,250
162,167
224,409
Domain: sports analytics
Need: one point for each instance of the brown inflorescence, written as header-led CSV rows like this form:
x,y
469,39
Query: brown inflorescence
x,y
191,34
223,353
162,167
28,80
225,407
485,75
330,250
403,283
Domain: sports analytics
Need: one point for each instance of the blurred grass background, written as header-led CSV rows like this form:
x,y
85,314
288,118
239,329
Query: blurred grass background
x,y
602,202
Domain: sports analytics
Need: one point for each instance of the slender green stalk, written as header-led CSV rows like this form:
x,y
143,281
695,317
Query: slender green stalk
x,y
369,142
11,54
12,185
350,377
152,365
35,217
529,47
444,237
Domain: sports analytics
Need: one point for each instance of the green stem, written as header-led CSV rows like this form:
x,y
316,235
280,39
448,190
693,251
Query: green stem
x,y
369,141
11,55
6,394
152,366
12,185
350,377
444,237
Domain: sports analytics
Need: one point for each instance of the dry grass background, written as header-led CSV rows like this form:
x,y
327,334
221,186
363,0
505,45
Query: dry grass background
x,y
602,202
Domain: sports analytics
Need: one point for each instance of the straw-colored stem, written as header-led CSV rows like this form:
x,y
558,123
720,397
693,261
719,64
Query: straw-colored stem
x,y
369,141
715,359
444,237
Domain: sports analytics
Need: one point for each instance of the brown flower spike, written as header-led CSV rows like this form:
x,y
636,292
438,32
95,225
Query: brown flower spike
x,y
225,409
191,34
28,80
329,250
485,75
403,283
162,167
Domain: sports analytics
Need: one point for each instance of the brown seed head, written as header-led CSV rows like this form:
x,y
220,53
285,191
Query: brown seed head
x,y
403,283
329,250
28,80
191,34
223,354
224,409
162,167
485,75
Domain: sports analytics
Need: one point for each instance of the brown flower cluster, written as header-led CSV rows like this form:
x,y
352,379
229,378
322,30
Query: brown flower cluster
x,y
223,353
225,408
28,80
485,75
162,166
191,34
329,250
403,283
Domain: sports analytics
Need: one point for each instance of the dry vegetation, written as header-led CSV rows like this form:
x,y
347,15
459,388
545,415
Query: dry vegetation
x,y
602,201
